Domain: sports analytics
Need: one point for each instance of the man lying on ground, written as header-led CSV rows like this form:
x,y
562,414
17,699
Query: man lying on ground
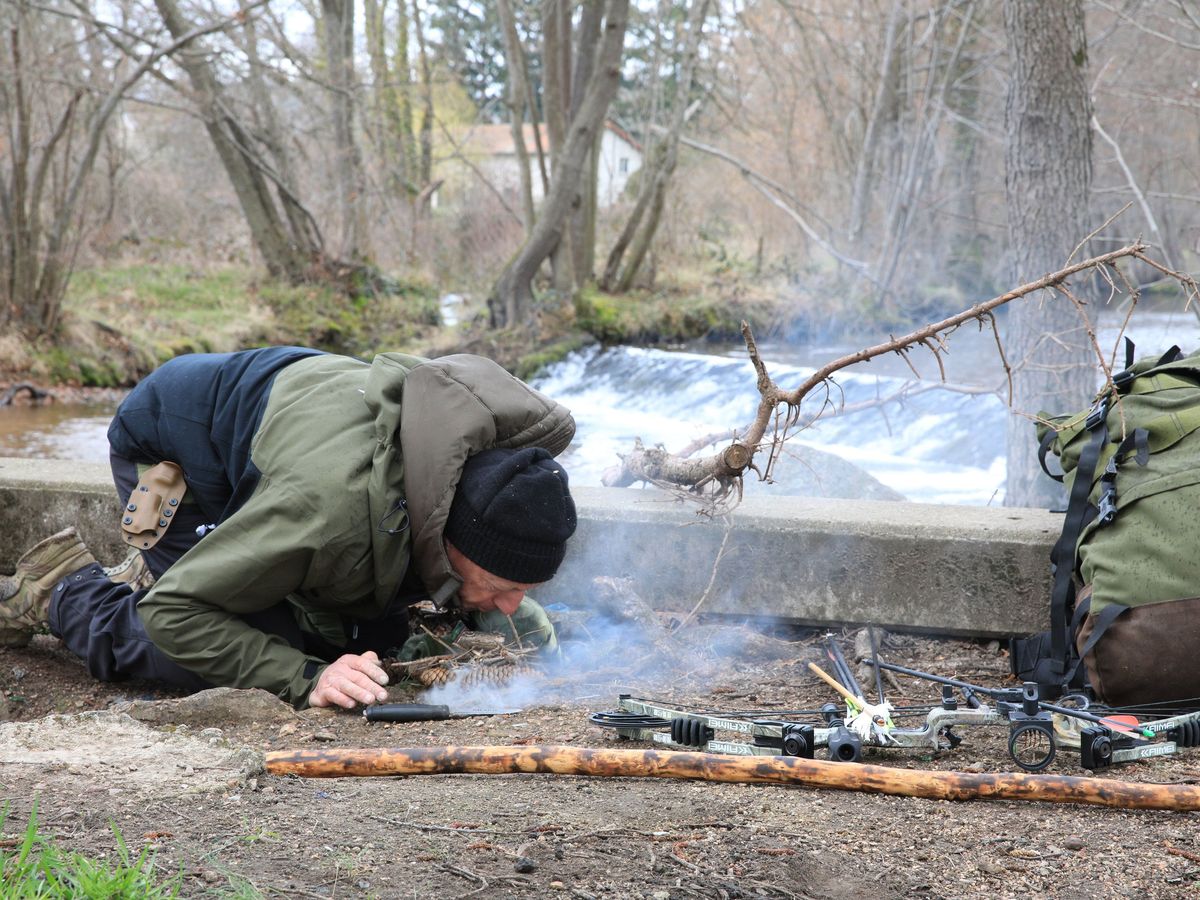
x,y
287,506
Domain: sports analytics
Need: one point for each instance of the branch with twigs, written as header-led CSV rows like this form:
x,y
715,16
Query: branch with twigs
x,y
907,391
717,478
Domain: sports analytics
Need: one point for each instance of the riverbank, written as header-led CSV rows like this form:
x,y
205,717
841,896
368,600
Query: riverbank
x,y
121,322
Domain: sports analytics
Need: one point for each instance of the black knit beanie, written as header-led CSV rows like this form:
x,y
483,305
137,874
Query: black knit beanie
x,y
512,514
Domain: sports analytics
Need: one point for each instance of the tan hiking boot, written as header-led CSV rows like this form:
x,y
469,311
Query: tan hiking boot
x,y
133,571
25,595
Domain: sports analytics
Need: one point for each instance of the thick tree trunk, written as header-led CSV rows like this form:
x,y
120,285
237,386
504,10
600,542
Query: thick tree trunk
x,y
514,99
639,231
556,99
282,254
338,21
1048,171
513,291
582,225
273,136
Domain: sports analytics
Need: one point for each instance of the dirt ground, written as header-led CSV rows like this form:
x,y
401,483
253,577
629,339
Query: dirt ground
x,y
182,776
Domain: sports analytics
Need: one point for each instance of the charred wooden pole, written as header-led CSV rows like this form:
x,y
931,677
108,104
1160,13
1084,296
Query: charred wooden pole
x,y
933,785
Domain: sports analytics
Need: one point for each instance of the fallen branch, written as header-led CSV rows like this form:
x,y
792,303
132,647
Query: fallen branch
x,y
828,410
36,394
556,760
724,469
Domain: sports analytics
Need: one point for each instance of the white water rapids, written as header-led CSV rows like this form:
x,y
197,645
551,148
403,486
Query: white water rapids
x,y
937,447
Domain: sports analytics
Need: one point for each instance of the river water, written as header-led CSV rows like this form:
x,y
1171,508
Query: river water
x,y
941,446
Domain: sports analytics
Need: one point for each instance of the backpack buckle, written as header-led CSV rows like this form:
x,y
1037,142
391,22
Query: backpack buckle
x,y
1122,380
1098,414
1107,507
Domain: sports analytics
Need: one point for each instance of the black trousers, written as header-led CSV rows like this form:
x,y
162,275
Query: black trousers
x,y
98,620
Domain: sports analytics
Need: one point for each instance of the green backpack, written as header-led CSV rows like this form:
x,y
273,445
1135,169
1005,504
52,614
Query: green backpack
x,y
1125,606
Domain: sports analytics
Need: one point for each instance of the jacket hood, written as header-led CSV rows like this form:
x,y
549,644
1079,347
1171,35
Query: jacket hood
x,y
453,407
390,523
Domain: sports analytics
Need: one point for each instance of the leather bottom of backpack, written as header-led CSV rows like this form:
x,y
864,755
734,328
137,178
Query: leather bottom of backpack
x,y
1150,654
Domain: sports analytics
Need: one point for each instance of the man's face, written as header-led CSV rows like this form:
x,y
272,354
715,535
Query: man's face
x,y
481,589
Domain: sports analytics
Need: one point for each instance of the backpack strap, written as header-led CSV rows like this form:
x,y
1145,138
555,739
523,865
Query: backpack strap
x,y
1065,619
1062,557
1172,355
1043,448
1100,623
1106,503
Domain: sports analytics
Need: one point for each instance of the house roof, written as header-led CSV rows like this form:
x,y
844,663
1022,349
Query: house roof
x,y
496,139
622,134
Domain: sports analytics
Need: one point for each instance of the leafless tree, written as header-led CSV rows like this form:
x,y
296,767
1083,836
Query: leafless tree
x,y
716,480
392,95
517,100
512,294
1048,165
56,107
630,249
287,253
337,19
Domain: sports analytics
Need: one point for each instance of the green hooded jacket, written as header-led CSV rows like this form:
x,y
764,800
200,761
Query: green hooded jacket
x,y
359,465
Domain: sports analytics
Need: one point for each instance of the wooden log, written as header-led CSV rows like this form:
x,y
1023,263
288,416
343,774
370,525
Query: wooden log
x,y
933,785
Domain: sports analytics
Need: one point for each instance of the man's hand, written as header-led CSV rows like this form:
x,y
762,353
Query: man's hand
x,y
350,680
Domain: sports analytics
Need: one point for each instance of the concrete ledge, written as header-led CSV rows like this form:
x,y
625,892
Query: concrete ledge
x,y
41,496
942,569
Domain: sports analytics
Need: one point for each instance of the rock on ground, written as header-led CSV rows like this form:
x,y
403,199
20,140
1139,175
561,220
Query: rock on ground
x,y
125,754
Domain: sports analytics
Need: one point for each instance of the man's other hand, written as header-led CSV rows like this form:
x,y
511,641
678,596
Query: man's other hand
x,y
350,680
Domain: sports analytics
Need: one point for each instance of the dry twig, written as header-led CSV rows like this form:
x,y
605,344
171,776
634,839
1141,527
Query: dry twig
x,y
716,479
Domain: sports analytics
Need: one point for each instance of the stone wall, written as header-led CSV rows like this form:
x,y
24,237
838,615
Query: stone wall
x,y
943,569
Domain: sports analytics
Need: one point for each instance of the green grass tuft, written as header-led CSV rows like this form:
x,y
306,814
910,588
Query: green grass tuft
x,y
37,868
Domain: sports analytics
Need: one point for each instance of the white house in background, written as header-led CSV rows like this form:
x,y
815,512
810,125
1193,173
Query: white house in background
x,y
620,157
490,151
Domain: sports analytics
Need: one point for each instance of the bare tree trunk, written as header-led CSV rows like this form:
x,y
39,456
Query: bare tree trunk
x,y
338,22
415,178
49,174
885,88
513,292
612,266
282,252
920,162
582,224
515,93
271,134
1048,171
383,120
643,222
425,165
583,233
556,99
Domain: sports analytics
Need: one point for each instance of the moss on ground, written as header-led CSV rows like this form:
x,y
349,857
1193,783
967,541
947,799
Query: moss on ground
x,y
670,315
121,322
